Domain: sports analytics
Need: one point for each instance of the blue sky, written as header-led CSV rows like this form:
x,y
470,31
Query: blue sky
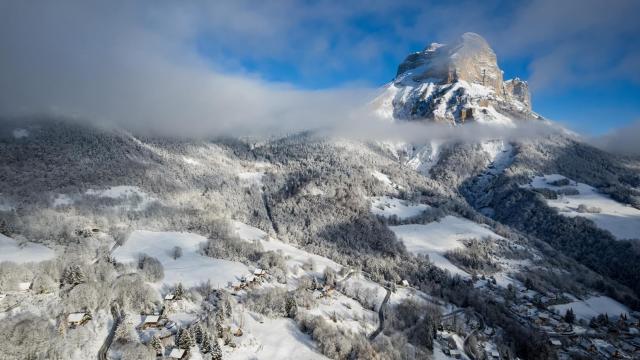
x,y
582,65
229,66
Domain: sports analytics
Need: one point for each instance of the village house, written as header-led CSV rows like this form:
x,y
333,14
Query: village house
x,y
178,354
78,319
259,272
151,321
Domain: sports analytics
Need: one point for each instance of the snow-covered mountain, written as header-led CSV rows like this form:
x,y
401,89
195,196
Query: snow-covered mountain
x,y
308,246
455,83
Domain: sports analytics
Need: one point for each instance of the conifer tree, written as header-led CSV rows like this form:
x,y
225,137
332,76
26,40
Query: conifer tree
x,y
185,340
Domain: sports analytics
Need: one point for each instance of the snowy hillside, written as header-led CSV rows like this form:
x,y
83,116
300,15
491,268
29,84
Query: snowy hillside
x,y
578,199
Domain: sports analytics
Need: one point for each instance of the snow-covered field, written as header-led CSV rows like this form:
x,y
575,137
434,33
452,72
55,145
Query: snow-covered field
x,y
438,237
389,206
23,253
191,268
593,306
621,220
272,339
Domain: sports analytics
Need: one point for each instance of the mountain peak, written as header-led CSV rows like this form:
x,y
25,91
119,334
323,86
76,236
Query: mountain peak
x,y
455,83
469,58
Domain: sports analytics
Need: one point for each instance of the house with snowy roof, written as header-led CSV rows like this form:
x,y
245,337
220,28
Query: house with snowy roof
x,y
78,319
178,354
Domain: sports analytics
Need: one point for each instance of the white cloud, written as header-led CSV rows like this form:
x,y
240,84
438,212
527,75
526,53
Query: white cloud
x,y
622,141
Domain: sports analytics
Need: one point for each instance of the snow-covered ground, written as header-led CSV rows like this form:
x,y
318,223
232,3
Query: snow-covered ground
x,y
389,206
382,178
267,339
623,221
10,250
438,237
191,268
191,161
295,257
593,306
249,178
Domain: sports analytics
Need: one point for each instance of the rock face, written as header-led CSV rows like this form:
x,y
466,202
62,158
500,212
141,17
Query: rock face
x,y
470,59
455,83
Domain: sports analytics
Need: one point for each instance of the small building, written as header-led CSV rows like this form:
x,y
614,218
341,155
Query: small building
x,y
494,354
169,297
259,272
151,321
178,354
404,282
555,342
78,319
237,286
455,354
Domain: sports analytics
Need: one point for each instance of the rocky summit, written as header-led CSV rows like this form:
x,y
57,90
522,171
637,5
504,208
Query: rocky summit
x,y
455,83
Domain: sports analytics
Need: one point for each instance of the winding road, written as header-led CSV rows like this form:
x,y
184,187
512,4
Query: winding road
x,y
381,315
117,317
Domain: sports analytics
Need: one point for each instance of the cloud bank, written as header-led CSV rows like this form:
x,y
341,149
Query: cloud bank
x,y
623,141
173,68
102,63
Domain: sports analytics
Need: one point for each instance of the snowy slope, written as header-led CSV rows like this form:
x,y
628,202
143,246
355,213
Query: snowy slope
x,y
593,306
295,257
272,339
191,268
390,206
623,221
438,237
27,252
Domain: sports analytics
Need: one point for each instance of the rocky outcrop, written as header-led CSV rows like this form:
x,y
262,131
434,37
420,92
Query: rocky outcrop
x,y
470,59
455,83
518,90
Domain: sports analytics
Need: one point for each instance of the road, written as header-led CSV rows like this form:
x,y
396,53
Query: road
x,y
117,317
381,315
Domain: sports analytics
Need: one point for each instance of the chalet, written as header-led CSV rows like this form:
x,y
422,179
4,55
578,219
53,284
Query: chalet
x,y
404,283
555,342
178,354
78,319
169,297
151,321
259,272
237,286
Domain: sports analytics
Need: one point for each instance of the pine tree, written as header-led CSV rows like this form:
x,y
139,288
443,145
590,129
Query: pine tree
x,y
216,352
179,292
219,329
124,330
197,333
207,343
227,306
73,275
290,306
185,340
569,316
156,345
